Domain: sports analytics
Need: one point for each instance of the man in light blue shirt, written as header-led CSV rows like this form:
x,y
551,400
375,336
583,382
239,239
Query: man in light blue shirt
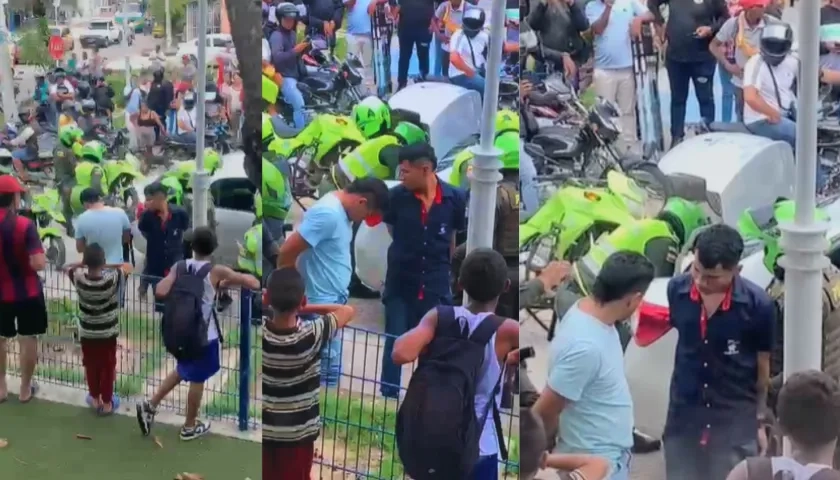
x,y
613,24
587,396
132,107
359,38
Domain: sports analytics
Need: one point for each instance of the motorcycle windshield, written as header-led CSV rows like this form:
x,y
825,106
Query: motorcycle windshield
x,y
633,196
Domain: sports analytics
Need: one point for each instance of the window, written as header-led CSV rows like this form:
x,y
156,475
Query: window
x,y
99,25
220,42
233,194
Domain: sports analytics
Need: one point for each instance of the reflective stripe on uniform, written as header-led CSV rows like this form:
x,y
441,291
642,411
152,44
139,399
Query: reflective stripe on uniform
x,y
592,264
346,168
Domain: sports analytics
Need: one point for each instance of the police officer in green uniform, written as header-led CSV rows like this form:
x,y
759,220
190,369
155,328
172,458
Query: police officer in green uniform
x,y
379,155
761,225
174,190
88,173
507,140
276,191
250,258
65,154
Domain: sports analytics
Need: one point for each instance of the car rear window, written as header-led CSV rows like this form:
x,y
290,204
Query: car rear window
x,y
99,26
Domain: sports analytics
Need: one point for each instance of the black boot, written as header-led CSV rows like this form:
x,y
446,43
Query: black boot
x,y
643,443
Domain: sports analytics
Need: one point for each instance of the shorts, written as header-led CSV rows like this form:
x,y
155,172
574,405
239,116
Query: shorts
x,y
145,137
280,462
25,318
486,468
200,370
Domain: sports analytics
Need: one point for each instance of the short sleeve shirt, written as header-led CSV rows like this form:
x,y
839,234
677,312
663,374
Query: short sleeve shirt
x,y
471,50
760,75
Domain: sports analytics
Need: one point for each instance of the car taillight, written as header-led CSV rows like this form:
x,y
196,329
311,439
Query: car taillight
x,y
649,323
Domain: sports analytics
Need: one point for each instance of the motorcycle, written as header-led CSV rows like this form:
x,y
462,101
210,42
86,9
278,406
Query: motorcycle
x,y
43,209
40,170
217,137
120,176
311,152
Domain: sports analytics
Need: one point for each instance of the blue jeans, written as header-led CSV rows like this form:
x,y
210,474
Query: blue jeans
x,y
331,355
401,315
186,138
294,98
621,470
171,122
686,459
22,154
784,131
474,83
727,97
437,69
486,468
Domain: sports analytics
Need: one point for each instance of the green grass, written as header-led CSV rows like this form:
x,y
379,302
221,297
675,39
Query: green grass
x,y
43,445
588,97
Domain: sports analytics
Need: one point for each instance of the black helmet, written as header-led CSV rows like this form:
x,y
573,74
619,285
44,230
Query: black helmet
x,y
473,21
157,75
62,89
189,101
68,106
83,89
286,10
88,105
776,42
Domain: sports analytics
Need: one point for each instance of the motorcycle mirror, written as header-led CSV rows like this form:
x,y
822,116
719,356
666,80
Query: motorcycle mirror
x,y
689,187
534,150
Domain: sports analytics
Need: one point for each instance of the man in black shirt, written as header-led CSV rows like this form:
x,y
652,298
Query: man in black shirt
x,y
560,24
691,26
414,21
160,96
323,17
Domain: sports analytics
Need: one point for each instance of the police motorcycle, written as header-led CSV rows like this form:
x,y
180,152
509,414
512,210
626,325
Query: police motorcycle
x,y
44,209
216,136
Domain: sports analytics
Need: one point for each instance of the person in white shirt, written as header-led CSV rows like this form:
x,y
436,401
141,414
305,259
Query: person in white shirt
x,y
468,51
187,119
446,22
24,145
266,51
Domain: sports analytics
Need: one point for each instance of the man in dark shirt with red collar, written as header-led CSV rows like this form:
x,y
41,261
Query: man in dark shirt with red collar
x,y
423,217
722,363
23,310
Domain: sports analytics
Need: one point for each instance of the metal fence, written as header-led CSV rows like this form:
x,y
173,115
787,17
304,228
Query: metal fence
x,y
232,395
358,440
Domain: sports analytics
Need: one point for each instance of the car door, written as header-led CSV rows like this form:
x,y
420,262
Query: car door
x,y
233,199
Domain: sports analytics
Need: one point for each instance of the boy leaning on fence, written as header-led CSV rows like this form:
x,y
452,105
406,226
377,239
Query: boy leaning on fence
x,y
463,352
190,329
291,370
97,287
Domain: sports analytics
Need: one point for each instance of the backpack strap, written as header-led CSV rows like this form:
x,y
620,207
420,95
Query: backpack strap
x,y
482,335
181,268
759,468
486,329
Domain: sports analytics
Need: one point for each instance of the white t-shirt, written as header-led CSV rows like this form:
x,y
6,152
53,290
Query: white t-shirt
x,y
266,51
54,88
460,44
757,75
188,117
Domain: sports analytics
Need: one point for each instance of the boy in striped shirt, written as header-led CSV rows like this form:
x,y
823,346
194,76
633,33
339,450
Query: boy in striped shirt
x,y
291,372
97,286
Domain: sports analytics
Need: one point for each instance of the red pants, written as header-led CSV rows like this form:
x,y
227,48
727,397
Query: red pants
x,y
288,463
100,359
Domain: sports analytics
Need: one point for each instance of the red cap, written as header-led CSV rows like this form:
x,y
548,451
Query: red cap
x,y
10,184
746,4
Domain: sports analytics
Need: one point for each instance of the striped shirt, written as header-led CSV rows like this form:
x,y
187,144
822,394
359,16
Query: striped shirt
x,y
291,369
98,304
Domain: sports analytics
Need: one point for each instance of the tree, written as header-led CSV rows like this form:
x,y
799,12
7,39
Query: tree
x,y
246,29
177,9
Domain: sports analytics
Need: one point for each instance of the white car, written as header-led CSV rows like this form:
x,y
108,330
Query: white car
x,y
218,44
101,33
232,197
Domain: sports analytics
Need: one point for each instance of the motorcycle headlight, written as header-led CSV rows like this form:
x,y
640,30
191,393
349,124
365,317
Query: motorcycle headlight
x,y
43,219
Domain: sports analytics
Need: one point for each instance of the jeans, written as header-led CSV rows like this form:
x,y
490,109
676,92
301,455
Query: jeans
x,y
409,38
727,98
686,459
331,354
294,98
22,154
171,122
486,468
401,315
186,138
784,131
437,70
680,74
474,83
621,470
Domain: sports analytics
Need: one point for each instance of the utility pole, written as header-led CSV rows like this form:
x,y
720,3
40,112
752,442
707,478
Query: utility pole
x,y
201,177
486,165
804,240
125,31
8,84
168,27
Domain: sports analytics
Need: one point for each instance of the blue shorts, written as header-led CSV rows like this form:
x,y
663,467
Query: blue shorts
x,y
201,369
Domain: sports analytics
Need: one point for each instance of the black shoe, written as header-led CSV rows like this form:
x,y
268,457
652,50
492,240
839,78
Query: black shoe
x,y
145,417
676,141
643,443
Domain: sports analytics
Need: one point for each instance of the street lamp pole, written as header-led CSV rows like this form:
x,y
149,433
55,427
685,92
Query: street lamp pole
x,y
804,239
201,176
486,163
127,65
8,83
168,26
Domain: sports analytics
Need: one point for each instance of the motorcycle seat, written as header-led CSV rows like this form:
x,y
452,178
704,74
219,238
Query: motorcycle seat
x,y
734,127
283,130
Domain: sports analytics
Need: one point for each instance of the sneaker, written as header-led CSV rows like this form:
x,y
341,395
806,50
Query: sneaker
x,y
191,433
145,417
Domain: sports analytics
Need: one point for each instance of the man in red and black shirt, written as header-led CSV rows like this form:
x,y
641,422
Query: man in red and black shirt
x,y
23,310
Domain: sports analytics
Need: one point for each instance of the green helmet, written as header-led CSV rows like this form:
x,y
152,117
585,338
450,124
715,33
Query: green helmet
x,y
409,133
508,143
174,190
267,129
94,151
684,217
762,225
372,116
212,160
270,90
70,134
507,121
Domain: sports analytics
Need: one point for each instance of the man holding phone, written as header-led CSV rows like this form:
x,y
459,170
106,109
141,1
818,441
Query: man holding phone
x,y
285,58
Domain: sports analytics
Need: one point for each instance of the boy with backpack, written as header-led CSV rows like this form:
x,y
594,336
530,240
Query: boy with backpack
x,y
462,353
291,372
808,409
190,328
98,291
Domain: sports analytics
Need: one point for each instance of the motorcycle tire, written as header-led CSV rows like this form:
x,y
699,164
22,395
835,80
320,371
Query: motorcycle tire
x,y
56,251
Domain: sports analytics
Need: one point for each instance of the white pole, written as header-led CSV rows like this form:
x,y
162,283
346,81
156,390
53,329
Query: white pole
x,y
486,164
168,27
804,240
125,42
201,176
7,85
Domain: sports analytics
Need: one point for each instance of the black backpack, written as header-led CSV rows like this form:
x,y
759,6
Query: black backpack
x,y
184,328
437,430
